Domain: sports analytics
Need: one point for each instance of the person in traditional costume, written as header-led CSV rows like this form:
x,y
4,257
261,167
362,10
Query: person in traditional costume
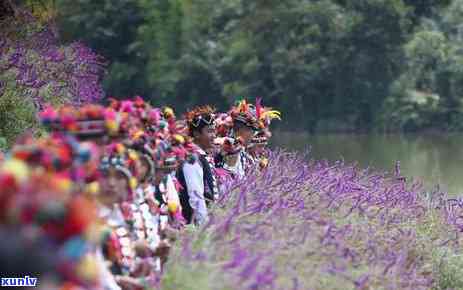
x,y
257,146
133,235
233,156
164,198
164,146
155,205
153,138
166,195
91,124
196,176
116,198
40,201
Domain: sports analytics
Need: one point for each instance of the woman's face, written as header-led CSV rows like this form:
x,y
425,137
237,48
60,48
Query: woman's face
x,y
114,187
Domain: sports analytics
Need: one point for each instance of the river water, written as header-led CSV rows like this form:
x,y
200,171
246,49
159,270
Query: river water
x,y
435,159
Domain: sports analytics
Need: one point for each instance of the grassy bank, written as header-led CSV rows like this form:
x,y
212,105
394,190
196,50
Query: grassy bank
x,y
316,225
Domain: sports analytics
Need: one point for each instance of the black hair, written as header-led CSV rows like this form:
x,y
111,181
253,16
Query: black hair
x,y
199,128
238,124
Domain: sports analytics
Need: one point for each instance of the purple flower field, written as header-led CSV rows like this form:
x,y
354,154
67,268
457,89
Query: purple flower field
x,y
33,63
37,70
317,225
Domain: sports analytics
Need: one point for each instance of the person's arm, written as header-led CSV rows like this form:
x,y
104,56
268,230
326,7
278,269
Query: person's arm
x,y
195,187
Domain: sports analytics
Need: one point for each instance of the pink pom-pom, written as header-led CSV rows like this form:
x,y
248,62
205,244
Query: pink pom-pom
x,y
127,106
48,115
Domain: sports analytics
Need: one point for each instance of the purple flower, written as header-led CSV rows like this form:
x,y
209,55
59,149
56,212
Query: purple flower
x,y
39,60
239,255
294,212
249,269
362,282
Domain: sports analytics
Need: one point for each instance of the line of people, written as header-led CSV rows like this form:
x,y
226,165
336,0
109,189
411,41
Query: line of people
x,y
107,190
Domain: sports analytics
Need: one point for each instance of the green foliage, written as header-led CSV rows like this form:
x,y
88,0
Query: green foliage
x,y
428,92
328,64
17,114
449,268
3,144
109,27
174,40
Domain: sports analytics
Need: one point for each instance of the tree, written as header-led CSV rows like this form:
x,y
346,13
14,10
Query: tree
x,y
431,83
327,64
178,49
110,27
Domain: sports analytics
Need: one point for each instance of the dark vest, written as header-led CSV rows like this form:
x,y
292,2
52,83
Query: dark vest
x,y
158,196
208,181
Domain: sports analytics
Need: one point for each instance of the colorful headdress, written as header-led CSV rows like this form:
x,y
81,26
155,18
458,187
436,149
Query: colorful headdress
x,y
122,159
223,124
125,116
245,113
137,113
200,117
153,118
58,153
265,115
168,113
165,156
41,203
141,142
86,121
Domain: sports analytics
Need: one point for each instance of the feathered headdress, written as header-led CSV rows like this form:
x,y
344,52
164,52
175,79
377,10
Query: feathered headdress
x,y
265,115
245,113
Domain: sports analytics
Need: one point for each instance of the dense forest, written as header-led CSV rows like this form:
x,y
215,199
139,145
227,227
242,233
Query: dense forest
x,y
328,65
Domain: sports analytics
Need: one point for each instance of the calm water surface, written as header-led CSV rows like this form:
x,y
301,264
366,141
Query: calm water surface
x,y
434,159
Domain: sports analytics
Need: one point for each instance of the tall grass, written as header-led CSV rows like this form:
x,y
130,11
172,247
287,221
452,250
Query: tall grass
x,y
321,225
